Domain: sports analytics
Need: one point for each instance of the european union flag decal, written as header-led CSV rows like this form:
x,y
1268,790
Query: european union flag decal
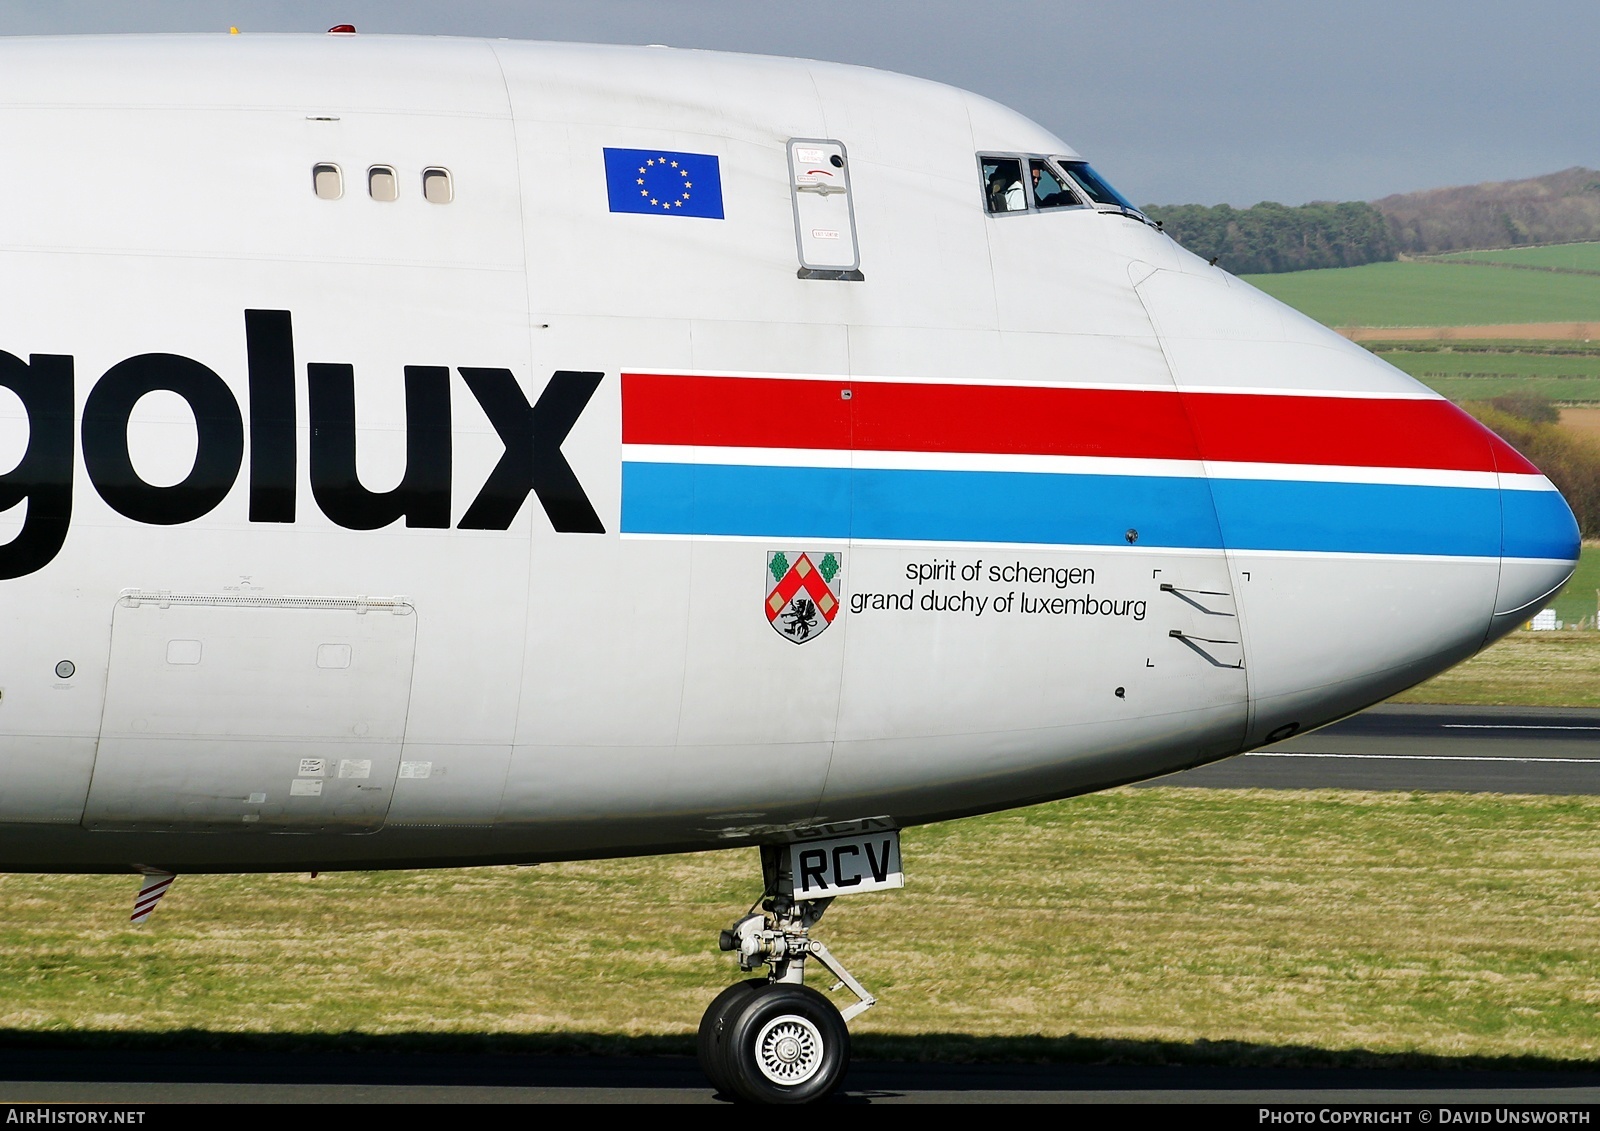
x,y
661,181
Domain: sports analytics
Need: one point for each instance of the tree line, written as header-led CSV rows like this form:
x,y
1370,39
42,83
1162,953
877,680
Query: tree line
x,y
1271,237
1560,207
1529,424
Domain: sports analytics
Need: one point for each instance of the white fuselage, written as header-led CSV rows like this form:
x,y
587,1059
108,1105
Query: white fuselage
x,y
1096,511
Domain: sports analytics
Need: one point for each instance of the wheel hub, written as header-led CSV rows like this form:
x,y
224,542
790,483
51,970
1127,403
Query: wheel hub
x,y
789,1050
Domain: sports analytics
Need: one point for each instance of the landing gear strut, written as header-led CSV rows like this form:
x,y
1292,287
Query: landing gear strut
x,y
774,1039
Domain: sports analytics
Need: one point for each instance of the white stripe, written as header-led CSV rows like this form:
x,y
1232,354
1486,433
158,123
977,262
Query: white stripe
x,y
735,457
861,544
1075,465
1422,393
1400,394
909,461
1330,473
1416,757
1349,555
875,379
1521,482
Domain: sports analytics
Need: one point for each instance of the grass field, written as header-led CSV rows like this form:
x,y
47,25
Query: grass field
x,y
1569,390
1434,294
1151,924
1525,669
1516,364
1578,599
1572,256
1532,669
1582,419
1569,376
1536,347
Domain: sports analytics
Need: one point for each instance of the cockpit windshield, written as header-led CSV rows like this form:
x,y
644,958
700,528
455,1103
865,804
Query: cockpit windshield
x,y
1028,184
1050,187
1094,186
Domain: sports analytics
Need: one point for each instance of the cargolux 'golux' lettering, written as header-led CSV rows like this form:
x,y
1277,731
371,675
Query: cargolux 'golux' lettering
x,y
43,479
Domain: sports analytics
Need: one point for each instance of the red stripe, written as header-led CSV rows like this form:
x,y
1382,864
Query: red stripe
x,y
734,412
885,416
1342,431
1029,420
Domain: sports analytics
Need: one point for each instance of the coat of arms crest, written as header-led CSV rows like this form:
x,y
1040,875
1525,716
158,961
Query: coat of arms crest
x,y
802,595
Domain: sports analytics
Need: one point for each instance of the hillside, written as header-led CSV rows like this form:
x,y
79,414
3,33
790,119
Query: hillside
x,y
1557,208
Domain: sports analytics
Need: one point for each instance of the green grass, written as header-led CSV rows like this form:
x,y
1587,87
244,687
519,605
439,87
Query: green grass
x,y
1434,294
1536,347
1525,669
1573,256
1577,600
1158,923
1532,669
1477,375
1572,367
1570,390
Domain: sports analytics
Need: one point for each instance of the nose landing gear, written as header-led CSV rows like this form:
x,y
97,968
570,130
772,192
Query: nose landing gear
x,y
776,1040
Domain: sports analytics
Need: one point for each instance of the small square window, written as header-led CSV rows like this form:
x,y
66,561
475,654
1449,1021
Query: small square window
x,y
436,186
382,184
1002,185
327,181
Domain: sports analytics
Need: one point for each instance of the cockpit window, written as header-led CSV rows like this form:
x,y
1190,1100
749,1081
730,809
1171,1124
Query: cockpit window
x,y
1023,183
1002,185
1050,187
1094,185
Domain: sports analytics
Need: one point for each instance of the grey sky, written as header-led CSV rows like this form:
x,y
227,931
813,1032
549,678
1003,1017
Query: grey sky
x,y
1231,100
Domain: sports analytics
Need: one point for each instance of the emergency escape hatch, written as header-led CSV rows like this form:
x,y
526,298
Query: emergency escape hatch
x,y
824,218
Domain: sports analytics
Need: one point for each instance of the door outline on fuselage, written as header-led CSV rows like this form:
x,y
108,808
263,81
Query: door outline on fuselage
x,y
1141,275
252,713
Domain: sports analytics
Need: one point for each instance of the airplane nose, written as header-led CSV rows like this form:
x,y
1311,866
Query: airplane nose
x,y
1377,533
1539,543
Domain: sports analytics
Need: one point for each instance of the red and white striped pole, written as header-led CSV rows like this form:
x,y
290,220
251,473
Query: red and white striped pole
x,y
155,885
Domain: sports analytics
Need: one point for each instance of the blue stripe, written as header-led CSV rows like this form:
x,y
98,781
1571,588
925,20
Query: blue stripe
x,y
1092,510
1539,524
1361,518
934,506
682,498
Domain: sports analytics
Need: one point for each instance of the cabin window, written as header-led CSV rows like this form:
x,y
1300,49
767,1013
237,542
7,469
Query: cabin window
x,y
436,186
1002,185
382,184
327,181
1050,187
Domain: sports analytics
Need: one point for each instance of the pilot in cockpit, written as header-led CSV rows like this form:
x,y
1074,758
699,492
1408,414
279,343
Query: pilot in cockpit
x,y
1048,191
1005,191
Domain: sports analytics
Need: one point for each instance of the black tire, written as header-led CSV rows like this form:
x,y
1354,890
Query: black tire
x,y
786,1044
711,1044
